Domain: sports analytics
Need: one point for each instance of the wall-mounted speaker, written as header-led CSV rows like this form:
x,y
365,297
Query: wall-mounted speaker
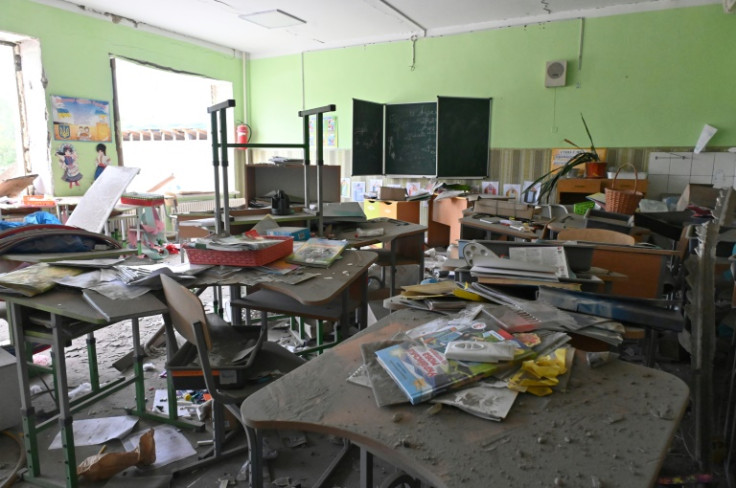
x,y
555,74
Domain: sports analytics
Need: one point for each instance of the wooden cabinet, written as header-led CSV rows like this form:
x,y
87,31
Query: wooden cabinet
x,y
573,190
406,211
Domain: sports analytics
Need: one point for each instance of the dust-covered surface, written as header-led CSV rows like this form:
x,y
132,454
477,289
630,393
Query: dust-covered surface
x,y
509,454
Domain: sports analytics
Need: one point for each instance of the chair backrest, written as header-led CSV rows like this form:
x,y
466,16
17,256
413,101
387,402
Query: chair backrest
x,y
184,310
596,235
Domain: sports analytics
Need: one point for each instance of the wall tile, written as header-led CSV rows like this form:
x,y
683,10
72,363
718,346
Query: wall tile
x,y
677,183
720,180
701,179
657,186
659,163
703,164
726,163
680,166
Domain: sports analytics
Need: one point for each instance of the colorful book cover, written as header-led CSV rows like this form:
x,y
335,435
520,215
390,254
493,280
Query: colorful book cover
x,y
422,371
317,252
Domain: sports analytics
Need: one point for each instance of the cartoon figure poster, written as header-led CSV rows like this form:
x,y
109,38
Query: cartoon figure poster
x,y
68,160
80,119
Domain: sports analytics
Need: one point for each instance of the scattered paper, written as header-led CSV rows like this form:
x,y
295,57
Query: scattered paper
x,y
90,432
705,135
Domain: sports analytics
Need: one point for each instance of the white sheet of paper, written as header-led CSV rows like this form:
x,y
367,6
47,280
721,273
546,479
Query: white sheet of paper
x,y
705,135
90,432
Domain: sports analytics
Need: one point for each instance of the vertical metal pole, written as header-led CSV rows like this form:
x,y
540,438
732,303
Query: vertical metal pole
x,y
224,164
320,163
305,126
215,164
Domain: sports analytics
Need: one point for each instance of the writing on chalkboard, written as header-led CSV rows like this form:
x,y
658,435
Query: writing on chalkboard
x,y
411,139
367,138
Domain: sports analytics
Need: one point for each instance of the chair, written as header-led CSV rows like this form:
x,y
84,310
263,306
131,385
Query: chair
x,y
219,346
604,236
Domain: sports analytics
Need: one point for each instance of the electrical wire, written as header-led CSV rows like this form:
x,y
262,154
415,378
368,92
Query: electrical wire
x,y
13,477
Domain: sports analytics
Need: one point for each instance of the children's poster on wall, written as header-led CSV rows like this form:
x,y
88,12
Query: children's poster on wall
x,y
374,185
80,119
489,187
345,187
358,190
529,193
512,190
412,188
329,131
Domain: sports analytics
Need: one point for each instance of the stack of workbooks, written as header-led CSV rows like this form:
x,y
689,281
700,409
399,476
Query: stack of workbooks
x,y
535,266
419,365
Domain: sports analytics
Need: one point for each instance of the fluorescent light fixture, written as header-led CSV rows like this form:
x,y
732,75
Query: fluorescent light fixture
x,y
272,19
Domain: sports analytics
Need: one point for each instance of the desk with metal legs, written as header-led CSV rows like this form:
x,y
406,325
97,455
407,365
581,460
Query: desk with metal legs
x,y
612,427
55,318
403,244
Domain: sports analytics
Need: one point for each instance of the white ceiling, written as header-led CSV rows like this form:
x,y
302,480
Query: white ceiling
x,y
339,23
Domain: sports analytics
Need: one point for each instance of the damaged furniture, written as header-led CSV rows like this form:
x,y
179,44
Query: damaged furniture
x,y
596,431
231,362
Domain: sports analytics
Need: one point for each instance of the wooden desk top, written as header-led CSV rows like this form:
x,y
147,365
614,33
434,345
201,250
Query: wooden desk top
x,y
392,229
498,228
319,290
614,424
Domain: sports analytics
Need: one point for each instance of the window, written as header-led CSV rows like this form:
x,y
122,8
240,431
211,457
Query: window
x,y
164,126
11,152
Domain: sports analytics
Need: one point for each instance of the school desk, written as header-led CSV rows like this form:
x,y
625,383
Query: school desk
x,y
55,318
612,427
403,243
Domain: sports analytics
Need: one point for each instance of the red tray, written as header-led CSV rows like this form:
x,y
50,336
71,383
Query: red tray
x,y
258,257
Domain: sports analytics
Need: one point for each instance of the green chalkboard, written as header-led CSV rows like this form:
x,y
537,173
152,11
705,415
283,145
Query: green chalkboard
x,y
411,139
367,138
463,137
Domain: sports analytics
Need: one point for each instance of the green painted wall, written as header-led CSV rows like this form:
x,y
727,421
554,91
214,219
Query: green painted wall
x,y
76,50
648,79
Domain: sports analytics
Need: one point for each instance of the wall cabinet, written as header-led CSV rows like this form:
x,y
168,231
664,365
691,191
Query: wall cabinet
x,y
574,190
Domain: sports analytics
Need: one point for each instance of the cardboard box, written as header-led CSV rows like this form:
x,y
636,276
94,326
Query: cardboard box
x,y
10,406
390,193
700,195
298,233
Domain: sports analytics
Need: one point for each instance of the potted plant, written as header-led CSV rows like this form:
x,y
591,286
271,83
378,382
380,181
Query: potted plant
x,y
594,168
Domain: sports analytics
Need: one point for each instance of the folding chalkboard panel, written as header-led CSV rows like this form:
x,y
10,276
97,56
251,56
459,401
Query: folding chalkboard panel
x,y
411,139
367,138
449,138
463,136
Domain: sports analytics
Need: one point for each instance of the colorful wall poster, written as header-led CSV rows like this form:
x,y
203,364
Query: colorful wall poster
x,y
529,193
329,131
358,190
512,190
345,187
80,119
489,187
